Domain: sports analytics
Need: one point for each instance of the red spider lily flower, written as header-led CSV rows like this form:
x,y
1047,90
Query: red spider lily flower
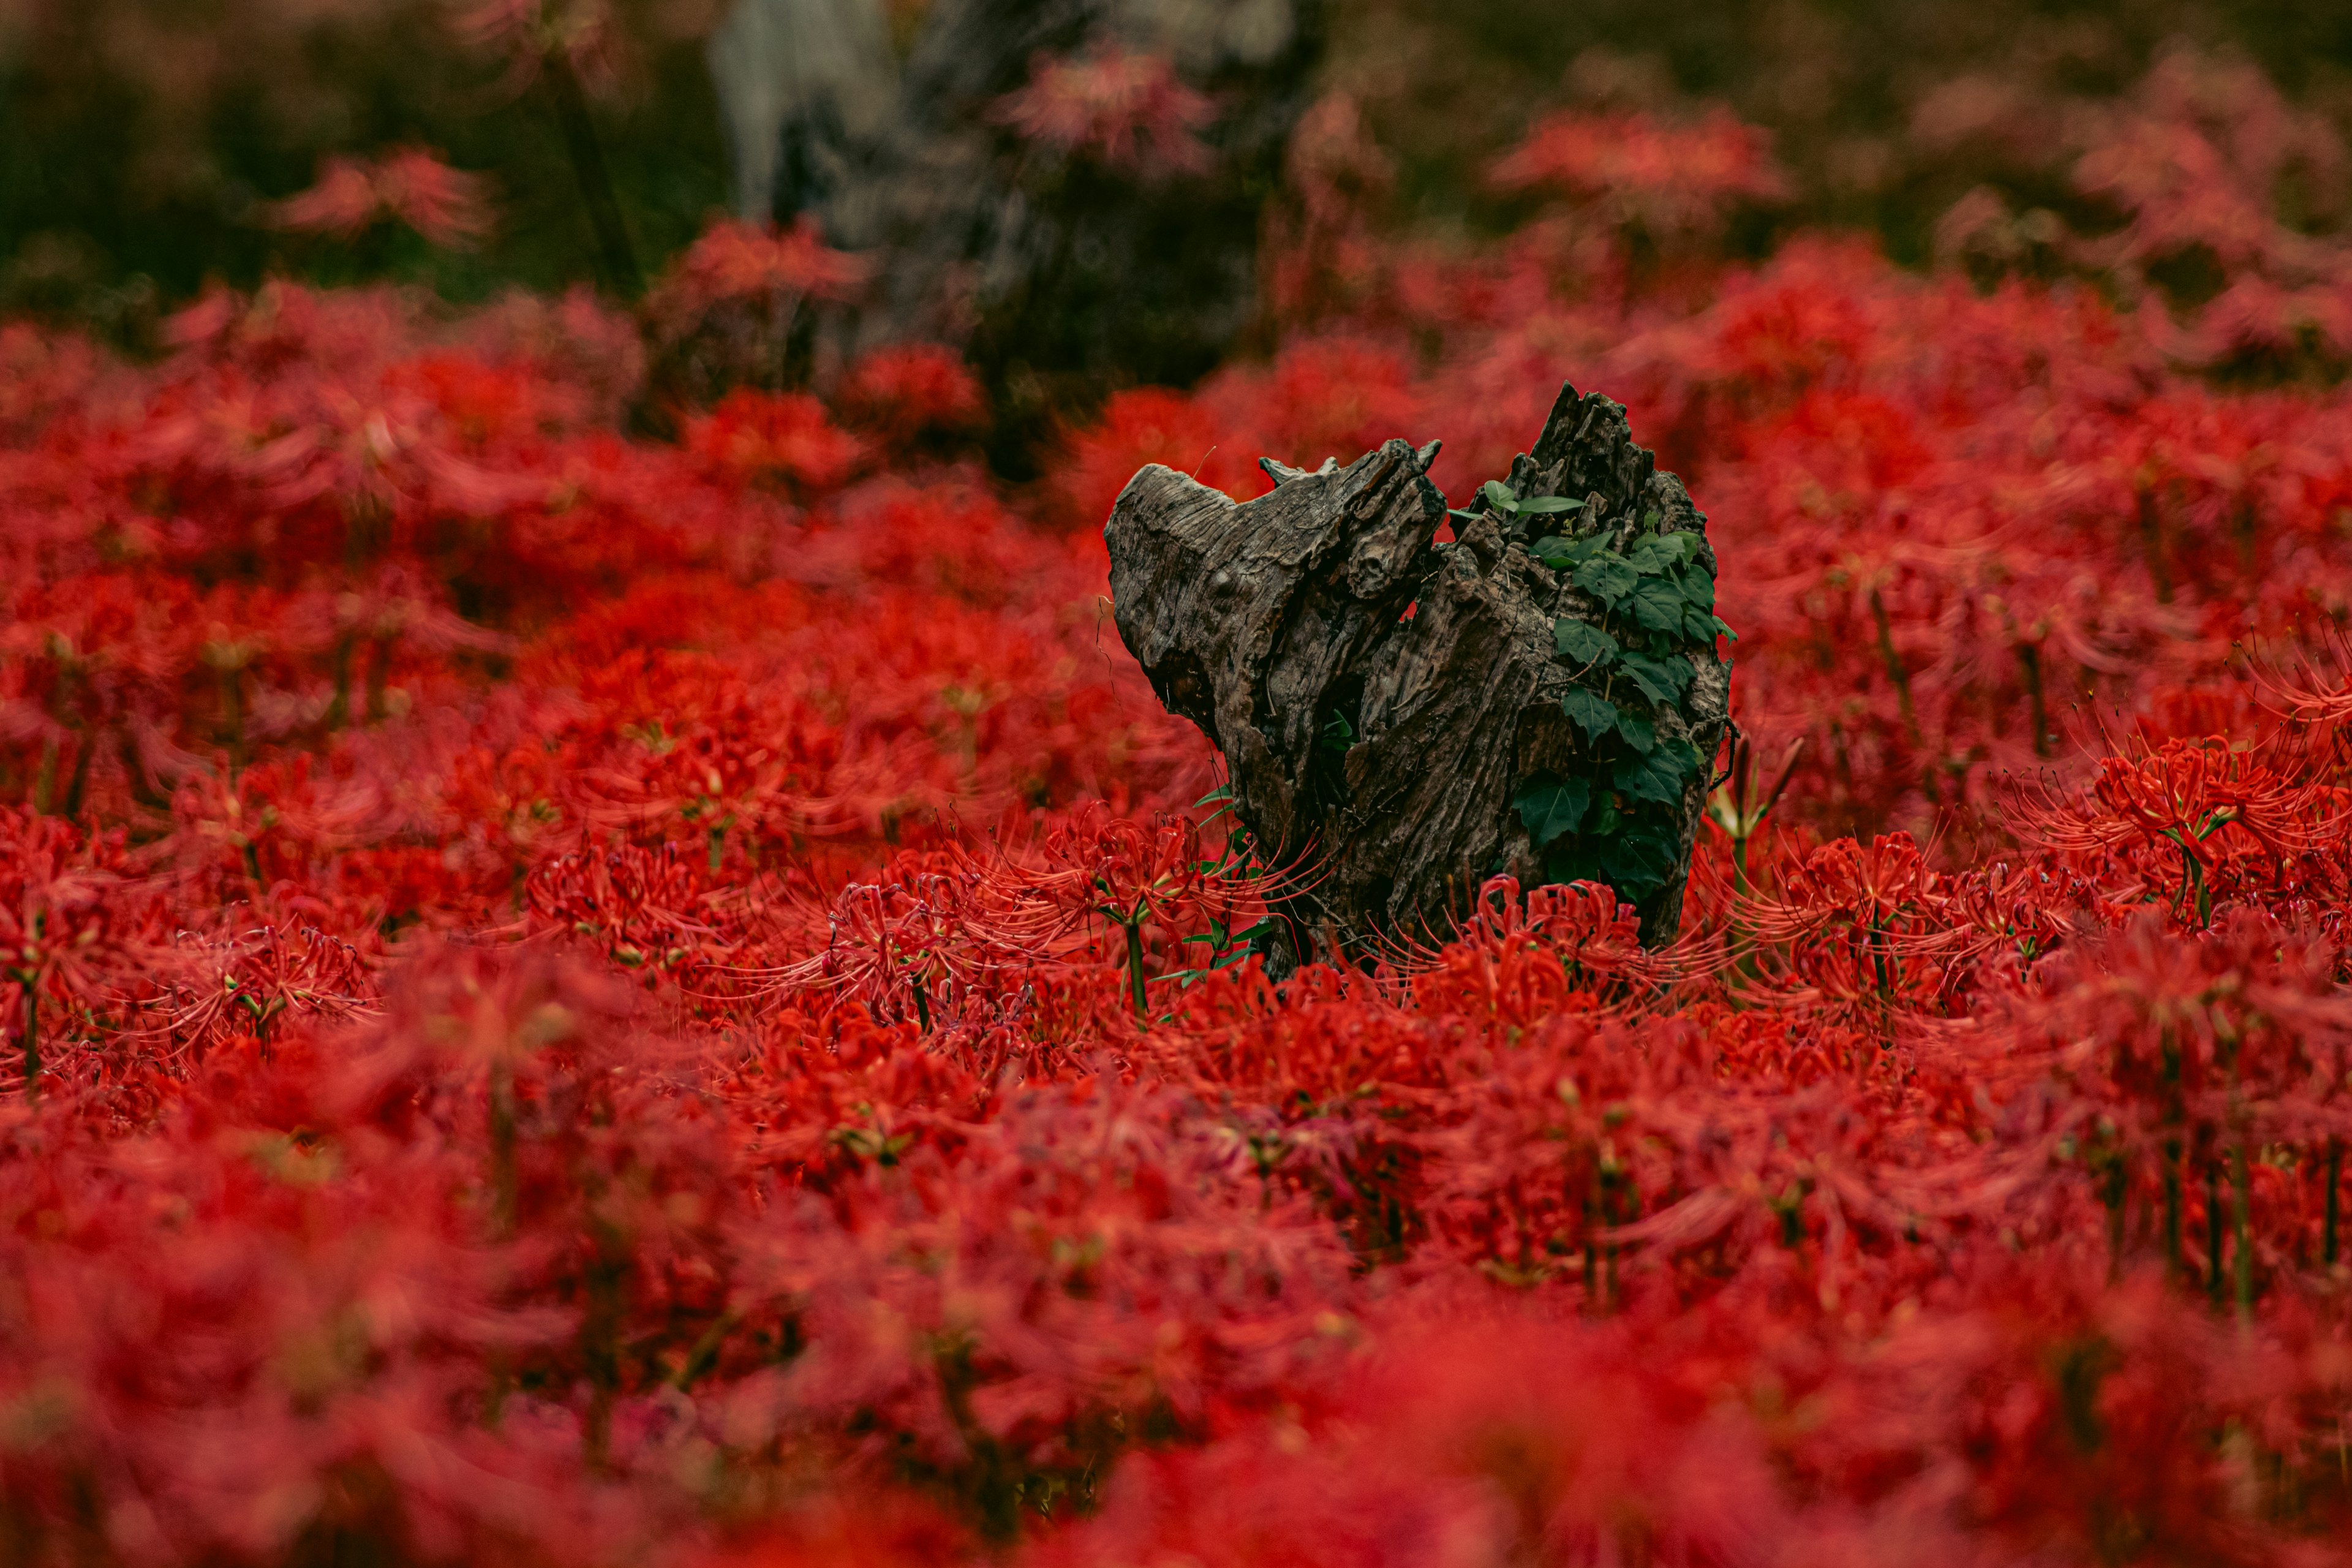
x,y
785,441
740,263
905,393
254,984
2184,793
408,185
1844,887
1668,177
1129,110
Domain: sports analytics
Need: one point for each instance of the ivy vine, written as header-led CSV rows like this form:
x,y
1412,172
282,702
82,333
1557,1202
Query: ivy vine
x,y
1621,822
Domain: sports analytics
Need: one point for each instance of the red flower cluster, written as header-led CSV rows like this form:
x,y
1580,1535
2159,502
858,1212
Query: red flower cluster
x,y
574,998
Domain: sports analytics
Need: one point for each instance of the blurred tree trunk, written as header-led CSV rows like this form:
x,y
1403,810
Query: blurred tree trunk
x,y
1071,190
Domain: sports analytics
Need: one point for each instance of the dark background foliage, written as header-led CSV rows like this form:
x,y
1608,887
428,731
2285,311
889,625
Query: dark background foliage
x,y
141,139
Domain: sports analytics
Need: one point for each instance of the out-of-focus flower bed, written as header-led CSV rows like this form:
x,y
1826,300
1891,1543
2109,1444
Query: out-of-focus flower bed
x,y
587,999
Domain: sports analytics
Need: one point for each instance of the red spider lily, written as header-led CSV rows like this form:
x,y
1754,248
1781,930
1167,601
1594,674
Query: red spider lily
x,y
906,395
2185,793
68,924
1844,887
1129,111
747,265
408,185
751,438
643,907
251,984
1666,177
652,1000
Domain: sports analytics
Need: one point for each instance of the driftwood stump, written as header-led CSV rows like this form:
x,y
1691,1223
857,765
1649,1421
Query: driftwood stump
x,y
1403,718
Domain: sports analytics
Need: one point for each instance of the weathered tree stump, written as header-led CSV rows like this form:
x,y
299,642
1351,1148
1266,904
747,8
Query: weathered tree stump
x,y
1403,718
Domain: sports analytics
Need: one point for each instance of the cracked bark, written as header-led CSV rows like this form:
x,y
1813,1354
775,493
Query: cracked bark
x,y
1328,600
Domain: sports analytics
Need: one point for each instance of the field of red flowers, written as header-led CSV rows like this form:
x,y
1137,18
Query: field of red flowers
x,y
603,979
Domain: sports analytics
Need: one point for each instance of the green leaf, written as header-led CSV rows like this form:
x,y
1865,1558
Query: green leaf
x,y
1583,641
1593,713
1608,577
1552,806
1464,516
1657,604
1698,587
1661,680
1605,817
1661,774
1548,505
1722,628
1560,553
1639,731
1654,555
1498,496
1638,862
1574,860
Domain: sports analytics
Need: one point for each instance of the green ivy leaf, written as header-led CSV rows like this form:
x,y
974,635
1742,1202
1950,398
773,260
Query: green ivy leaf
x,y
1608,577
1548,505
1639,731
1574,860
1605,817
1661,773
1593,713
1661,680
1583,642
1552,806
1655,555
1657,604
1561,553
1697,588
1638,861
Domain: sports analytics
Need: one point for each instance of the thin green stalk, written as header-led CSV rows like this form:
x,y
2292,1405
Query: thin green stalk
x,y
1893,662
2173,1252
1135,966
45,783
2334,1199
2213,1282
2115,1196
506,1185
2151,535
618,259
2240,1206
2031,657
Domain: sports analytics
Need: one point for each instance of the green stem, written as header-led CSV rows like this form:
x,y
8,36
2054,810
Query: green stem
x,y
1893,662
2334,1199
2151,535
2241,1207
2031,657
2116,1193
2213,1283
339,711
506,1185
45,783
2172,1257
232,698
618,259
1135,965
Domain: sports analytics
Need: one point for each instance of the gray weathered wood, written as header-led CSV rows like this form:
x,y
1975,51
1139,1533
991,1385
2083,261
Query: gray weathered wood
x,y
1328,598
